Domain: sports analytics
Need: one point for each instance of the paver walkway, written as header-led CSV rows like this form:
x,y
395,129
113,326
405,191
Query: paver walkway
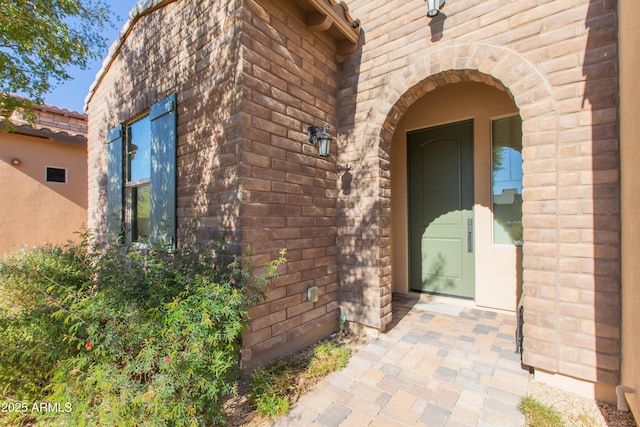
x,y
438,365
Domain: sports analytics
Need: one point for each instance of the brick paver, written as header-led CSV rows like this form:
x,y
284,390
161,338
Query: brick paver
x,y
437,365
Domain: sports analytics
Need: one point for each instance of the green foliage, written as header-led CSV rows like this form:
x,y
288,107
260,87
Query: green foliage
x,y
272,405
30,343
122,336
40,40
274,387
327,358
271,386
538,414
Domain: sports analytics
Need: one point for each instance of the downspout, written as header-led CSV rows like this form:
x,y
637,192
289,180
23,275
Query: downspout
x,y
520,328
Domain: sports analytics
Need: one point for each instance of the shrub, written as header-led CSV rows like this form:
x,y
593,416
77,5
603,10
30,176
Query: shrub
x,y
124,337
31,342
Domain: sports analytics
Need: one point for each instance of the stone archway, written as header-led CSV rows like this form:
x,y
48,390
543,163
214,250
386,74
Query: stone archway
x,y
495,66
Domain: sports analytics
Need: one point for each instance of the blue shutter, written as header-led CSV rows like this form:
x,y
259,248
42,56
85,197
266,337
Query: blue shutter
x,y
114,182
163,171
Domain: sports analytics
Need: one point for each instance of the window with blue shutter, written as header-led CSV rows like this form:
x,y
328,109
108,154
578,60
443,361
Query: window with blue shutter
x,y
114,183
145,191
163,171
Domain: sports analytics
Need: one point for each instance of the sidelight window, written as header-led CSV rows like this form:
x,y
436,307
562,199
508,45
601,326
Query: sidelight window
x,y
506,180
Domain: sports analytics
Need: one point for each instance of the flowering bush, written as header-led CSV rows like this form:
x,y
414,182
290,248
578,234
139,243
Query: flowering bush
x,y
124,337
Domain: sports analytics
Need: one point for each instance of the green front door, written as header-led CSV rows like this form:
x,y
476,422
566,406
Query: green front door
x,y
441,246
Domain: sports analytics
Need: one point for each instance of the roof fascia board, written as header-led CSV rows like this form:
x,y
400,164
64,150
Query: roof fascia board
x,y
347,26
49,135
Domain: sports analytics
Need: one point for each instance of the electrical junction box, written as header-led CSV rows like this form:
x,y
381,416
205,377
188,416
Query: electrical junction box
x,y
312,294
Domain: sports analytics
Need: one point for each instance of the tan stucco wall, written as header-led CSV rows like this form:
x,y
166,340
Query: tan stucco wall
x,y
35,211
629,15
497,266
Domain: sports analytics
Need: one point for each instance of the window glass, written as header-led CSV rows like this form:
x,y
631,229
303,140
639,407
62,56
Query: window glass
x,y
139,149
138,177
140,212
56,175
507,180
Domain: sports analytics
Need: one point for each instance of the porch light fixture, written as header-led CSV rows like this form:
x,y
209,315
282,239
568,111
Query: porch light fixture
x,y
320,136
433,7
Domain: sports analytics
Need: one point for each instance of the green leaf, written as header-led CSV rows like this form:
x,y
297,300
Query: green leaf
x,y
40,40
142,310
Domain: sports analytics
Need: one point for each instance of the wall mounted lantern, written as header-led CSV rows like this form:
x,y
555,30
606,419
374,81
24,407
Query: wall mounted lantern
x,y
433,7
320,136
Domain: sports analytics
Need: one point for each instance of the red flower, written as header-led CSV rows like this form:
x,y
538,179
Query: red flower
x,y
167,359
88,345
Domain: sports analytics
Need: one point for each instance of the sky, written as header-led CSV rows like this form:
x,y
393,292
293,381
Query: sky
x,y
71,94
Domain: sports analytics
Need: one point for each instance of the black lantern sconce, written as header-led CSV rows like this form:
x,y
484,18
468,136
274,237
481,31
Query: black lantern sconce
x,y
319,136
433,7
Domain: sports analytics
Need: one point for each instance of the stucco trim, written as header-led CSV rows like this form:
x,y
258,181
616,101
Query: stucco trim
x,y
51,135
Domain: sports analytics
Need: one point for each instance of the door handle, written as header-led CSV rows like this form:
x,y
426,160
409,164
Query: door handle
x,y
470,235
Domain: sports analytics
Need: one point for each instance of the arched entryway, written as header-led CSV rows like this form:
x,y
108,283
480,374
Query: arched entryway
x,y
368,274
446,237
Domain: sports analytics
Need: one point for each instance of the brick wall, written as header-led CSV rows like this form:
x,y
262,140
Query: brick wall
x,y
289,81
249,79
54,119
62,121
558,60
188,48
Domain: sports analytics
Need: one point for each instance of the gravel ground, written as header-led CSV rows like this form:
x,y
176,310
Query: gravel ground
x,y
580,411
